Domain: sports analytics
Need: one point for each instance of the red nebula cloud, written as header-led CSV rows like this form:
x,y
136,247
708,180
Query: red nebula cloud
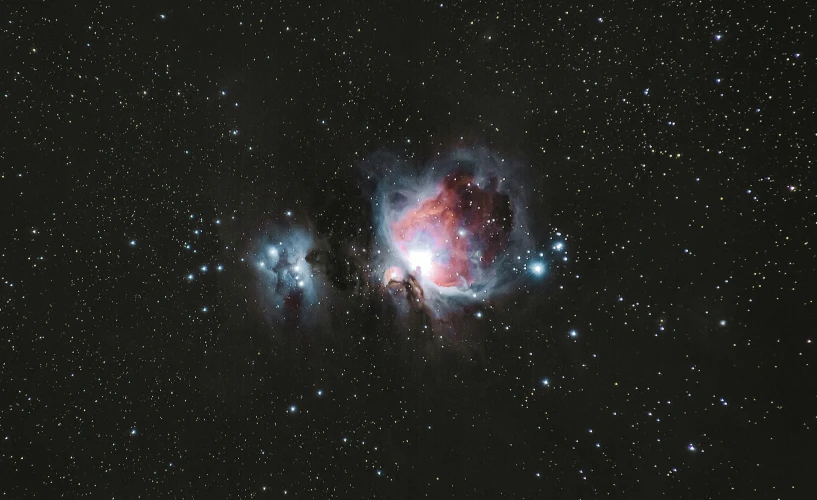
x,y
465,226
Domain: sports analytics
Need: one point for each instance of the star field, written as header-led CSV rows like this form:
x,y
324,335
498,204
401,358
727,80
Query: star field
x,y
190,295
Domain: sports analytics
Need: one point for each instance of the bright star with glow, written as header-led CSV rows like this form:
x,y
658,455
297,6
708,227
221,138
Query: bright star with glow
x,y
421,258
574,333
133,243
537,268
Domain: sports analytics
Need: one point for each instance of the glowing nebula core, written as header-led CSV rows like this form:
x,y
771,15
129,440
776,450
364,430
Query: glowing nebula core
x,y
454,235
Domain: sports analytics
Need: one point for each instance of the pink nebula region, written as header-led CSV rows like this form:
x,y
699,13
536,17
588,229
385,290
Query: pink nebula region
x,y
453,236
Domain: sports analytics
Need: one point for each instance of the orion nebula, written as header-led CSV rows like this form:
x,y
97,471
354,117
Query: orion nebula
x,y
455,235
442,237
452,232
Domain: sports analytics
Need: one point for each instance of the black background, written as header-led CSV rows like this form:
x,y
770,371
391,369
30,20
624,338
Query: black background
x,y
678,164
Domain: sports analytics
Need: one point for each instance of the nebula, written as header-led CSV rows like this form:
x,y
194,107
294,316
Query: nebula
x,y
286,282
444,237
452,237
451,233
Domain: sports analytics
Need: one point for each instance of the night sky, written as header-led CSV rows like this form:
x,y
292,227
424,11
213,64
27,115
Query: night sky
x,y
200,202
